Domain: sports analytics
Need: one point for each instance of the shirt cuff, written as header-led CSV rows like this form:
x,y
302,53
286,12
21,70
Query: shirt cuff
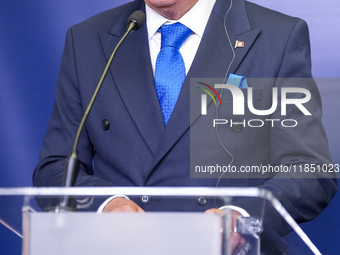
x,y
235,208
101,207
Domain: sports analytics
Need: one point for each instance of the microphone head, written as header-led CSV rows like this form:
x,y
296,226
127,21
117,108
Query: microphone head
x,y
137,17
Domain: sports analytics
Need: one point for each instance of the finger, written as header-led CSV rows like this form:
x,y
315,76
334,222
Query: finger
x,y
140,210
120,208
234,216
235,239
121,205
214,210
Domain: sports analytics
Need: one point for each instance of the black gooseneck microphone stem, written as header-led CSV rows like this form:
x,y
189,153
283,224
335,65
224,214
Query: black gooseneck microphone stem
x,y
72,162
74,150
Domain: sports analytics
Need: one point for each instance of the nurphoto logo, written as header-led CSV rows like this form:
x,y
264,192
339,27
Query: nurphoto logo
x,y
238,100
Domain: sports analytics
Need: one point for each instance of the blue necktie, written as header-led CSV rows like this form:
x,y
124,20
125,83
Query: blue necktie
x,y
170,68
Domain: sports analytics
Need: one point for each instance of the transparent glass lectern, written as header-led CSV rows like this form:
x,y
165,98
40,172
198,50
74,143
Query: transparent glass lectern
x,y
87,232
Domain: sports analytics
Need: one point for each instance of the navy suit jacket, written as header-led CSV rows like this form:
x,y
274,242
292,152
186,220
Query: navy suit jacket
x,y
125,142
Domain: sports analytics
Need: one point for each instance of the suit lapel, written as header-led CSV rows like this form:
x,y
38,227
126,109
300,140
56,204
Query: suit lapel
x,y
132,74
135,81
212,60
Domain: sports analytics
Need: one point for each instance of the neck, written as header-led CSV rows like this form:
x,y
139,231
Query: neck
x,y
173,11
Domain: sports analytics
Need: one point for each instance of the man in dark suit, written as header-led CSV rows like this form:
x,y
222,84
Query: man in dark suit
x,y
125,141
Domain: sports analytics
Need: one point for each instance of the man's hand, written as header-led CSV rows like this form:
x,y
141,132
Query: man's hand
x,y
121,204
235,239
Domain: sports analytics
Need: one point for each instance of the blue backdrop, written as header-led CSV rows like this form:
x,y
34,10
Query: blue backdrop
x,y
32,36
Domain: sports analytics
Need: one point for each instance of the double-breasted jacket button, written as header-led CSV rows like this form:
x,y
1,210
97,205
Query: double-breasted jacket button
x,y
145,199
105,124
202,201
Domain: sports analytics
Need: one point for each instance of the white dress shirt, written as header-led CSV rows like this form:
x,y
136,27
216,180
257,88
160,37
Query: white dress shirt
x,y
196,19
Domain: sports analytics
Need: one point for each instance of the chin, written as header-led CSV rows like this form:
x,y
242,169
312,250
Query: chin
x,y
161,3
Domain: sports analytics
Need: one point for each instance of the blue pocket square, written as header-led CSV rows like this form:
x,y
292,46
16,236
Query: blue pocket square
x,y
238,81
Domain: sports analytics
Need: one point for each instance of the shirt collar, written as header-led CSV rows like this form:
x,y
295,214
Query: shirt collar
x,y
196,18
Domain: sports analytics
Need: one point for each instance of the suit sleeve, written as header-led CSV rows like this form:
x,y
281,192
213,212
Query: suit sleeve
x,y
66,115
304,194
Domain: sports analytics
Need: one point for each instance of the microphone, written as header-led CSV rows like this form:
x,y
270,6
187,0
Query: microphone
x,y
72,163
138,18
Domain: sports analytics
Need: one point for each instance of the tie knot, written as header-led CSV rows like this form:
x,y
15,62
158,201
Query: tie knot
x,y
174,35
